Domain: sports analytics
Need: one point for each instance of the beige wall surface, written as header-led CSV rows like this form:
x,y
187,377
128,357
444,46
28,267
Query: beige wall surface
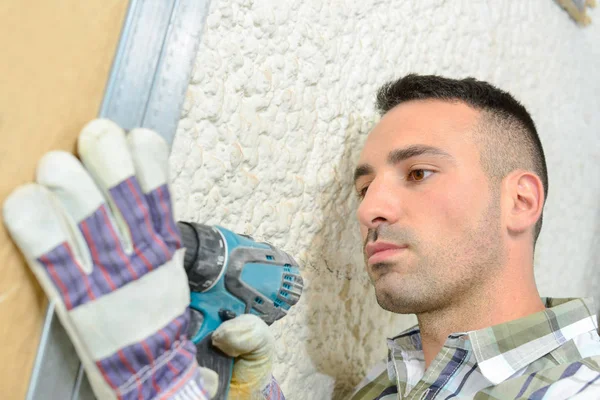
x,y
56,58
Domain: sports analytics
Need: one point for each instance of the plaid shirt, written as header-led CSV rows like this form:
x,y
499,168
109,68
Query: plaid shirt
x,y
552,354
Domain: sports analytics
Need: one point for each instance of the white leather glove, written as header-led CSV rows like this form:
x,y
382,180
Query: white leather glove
x,y
248,339
103,244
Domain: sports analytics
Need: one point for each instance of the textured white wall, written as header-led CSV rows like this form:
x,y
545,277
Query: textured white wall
x,y
281,100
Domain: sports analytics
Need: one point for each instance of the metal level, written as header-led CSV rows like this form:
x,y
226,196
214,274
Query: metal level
x,y
146,88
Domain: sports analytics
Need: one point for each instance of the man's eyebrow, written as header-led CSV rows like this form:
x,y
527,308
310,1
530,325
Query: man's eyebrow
x,y
399,155
362,170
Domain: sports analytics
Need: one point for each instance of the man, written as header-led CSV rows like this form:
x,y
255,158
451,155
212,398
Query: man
x,y
452,183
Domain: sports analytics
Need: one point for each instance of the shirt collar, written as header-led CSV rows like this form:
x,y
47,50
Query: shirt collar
x,y
501,350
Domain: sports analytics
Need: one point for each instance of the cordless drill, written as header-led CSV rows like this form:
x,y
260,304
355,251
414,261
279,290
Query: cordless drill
x,y
231,274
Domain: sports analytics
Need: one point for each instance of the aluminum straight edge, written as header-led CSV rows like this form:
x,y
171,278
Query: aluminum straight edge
x,y
49,318
119,56
152,71
146,88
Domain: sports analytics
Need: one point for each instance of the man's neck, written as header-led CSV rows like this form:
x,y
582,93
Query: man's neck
x,y
477,312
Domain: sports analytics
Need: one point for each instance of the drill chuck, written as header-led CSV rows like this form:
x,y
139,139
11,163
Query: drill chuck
x,y
191,241
222,265
205,255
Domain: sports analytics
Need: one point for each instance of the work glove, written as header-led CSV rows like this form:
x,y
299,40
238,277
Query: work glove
x,y
248,339
102,242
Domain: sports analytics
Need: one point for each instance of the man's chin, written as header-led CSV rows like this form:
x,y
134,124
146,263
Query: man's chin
x,y
391,294
387,287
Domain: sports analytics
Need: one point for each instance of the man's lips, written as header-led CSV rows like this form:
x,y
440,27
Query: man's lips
x,y
377,252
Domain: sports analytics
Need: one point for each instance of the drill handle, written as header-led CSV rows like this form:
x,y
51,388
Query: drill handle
x,y
203,322
209,356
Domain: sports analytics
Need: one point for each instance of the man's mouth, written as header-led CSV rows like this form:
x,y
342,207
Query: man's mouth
x,y
380,251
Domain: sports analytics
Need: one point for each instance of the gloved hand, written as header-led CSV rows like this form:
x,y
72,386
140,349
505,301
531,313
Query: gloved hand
x,y
248,339
102,242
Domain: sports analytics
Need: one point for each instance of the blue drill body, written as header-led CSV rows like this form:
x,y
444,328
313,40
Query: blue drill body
x,y
229,275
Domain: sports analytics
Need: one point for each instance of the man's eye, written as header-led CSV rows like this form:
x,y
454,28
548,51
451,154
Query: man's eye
x,y
418,175
361,193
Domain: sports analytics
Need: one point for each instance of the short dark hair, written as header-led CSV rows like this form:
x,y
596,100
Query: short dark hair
x,y
508,133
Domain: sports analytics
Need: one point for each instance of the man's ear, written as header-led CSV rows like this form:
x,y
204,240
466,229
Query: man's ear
x,y
523,201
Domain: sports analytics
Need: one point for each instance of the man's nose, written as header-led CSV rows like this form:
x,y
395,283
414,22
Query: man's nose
x,y
380,205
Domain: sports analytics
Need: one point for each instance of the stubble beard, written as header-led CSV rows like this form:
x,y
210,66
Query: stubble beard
x,y
438,274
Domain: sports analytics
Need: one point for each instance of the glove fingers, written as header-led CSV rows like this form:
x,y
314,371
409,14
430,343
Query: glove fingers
x,y
104,151
210,381
246,336
45,235
248,339
66,177
150,155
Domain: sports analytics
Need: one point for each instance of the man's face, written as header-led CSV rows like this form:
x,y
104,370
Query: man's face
x,y
429,220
